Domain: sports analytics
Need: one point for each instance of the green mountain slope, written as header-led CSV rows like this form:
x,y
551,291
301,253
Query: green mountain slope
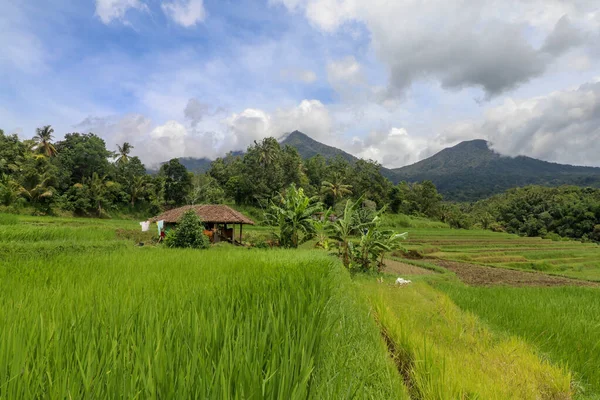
x,y
308,147
471,171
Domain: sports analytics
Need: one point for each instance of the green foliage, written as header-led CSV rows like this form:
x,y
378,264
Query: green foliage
x,y
416,198
205,190
567,211
342,229
123,153
79,156
176,182
8,219
294,215
374,242
189,233
43,139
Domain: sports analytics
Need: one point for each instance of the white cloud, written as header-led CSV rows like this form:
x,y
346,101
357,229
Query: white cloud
x,y
392,148
310,117
303,75
344,71
109,10
186,13
492,45
206,135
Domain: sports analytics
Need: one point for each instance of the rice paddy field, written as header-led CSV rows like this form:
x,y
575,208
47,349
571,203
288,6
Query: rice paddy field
x,y
85,312
566,258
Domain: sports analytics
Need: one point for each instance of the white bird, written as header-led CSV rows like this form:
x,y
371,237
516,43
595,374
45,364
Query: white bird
x,y
402,281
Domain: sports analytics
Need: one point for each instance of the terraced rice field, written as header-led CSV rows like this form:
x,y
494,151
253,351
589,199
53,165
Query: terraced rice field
x,y
87,313
566,258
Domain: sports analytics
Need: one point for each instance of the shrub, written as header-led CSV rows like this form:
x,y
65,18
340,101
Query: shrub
x,y
189,233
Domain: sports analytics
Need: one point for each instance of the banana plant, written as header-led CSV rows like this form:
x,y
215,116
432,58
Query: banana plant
x,y
343,228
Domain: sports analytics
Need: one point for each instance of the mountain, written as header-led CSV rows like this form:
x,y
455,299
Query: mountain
x,y
200,165
471,171
308,147
192,164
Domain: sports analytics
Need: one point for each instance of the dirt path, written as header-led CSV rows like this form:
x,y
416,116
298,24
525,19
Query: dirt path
x,y
478,275
400,268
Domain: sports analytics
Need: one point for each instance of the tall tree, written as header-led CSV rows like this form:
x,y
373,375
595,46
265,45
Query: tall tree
x,y
79,156
123,153
43,138
177,182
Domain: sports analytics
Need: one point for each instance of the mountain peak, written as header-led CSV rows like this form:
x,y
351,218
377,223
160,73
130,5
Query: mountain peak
x,y
471,170
478,144
308,147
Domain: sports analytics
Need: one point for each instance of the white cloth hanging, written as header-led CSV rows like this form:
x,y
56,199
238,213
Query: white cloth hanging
x,y
160,224
145,226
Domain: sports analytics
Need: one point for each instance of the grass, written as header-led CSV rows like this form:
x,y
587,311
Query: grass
x,y
87,314
159,323
566,258
563,323
446,353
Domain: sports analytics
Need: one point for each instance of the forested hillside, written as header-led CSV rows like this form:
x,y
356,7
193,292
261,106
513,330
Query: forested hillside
x,y
471,171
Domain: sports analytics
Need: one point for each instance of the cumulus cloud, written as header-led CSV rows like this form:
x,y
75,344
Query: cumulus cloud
x,y
563,126
310,117
157,143
564,36
109,10
392,148
483,44
186,13
195,111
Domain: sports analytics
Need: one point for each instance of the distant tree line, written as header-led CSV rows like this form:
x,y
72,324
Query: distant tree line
x,y
552,212
78,174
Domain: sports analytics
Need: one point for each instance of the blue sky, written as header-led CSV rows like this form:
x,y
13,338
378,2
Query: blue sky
x,y
392,81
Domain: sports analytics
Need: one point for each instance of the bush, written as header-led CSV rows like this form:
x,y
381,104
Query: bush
x,y
189,233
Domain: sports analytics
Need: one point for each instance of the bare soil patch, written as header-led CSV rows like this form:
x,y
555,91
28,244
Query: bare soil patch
x,y
400,268
478,275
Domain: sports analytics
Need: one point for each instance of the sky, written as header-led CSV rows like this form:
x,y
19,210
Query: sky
x,y
393,81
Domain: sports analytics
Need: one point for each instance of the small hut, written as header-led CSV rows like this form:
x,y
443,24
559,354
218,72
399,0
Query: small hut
x,y
219,220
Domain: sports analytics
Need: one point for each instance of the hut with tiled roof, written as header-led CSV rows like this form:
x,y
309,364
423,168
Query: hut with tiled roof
x,y
216,218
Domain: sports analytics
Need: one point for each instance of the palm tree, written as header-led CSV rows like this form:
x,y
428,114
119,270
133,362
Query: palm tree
x,y
98,189
43,139
267,151
137,188
124,153
336,188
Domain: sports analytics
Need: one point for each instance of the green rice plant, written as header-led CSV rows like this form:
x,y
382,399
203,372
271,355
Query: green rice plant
x,y
445,353
168,323
32,233
8,219
563,323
